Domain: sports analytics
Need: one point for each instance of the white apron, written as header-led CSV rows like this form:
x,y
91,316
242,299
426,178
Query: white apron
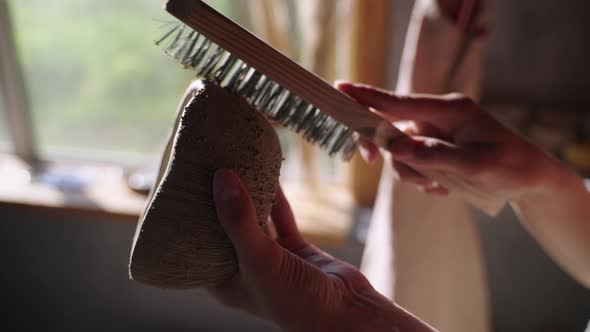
x,y
423,251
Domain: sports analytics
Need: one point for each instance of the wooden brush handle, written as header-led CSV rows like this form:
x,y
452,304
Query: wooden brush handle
x,y
310,88
273,64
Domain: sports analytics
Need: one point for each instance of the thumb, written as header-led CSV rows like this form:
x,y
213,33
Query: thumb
x,y
237,215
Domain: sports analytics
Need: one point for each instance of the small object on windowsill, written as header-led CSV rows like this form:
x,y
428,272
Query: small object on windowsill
x,y
142,180
92,189
69,179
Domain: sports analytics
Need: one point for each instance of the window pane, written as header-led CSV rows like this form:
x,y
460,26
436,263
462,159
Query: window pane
x,y
4,136
95,79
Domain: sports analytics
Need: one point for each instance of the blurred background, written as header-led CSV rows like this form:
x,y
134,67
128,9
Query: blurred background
x,y
87,101
94,80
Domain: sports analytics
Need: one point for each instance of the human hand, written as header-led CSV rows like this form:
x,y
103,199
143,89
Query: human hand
x,y
291,282
452,134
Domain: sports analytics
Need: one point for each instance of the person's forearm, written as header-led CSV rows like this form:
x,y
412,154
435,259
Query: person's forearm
x,y
558,216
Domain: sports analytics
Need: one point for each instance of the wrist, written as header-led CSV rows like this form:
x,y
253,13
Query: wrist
x,y
552,177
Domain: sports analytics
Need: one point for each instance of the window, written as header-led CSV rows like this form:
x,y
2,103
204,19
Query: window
x,y
94,78
97,88
96,83
4,136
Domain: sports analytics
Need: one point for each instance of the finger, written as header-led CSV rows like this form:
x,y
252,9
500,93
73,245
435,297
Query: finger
x,y
237,215
285,225
414,128
429,108
430,153
407,174
369,151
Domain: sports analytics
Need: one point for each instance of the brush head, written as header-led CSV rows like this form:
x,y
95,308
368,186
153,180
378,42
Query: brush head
x,y
180,242
211,61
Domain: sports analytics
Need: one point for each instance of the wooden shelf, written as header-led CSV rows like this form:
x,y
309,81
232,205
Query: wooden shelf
x,y
324,214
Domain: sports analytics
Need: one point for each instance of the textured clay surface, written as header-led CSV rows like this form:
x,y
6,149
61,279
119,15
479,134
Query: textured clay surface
x,y
181,243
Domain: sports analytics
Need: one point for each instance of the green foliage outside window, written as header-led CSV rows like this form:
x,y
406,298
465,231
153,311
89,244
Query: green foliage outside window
x,y
3,127
94,77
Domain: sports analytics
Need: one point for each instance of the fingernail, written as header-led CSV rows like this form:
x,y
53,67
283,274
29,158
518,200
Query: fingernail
x,y
226,187
366,155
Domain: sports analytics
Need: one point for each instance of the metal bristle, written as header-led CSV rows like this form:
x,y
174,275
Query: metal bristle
x,y
214,63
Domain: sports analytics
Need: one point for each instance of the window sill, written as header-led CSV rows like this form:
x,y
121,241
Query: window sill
x,y
324,214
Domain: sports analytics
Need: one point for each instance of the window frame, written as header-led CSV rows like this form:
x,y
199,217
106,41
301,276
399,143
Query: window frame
x,y
15,97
